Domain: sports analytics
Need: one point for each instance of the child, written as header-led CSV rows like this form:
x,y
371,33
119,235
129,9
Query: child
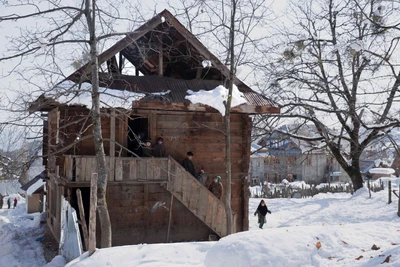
x,y
262,212
147,150
159,149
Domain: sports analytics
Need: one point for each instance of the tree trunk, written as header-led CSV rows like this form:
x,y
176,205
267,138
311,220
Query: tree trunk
x,y
102,211
228,195
356,179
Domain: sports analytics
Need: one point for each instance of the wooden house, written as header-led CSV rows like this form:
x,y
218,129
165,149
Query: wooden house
x,y
35,193
152,200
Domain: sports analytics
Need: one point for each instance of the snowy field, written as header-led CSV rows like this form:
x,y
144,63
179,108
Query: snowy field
x,y
345,226
327,230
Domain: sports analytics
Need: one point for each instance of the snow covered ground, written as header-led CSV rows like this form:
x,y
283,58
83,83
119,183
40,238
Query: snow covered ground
x,y
345,226
326,230
18,234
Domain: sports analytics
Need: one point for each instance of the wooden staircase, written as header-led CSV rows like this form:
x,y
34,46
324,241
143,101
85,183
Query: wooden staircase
x,y
197,198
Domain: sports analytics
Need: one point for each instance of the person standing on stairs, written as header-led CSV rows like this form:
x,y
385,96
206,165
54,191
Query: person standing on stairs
x,y
216,187
159,149
262,211
187,163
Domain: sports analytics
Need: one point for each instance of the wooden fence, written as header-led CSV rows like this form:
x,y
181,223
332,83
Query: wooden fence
x,y
288,191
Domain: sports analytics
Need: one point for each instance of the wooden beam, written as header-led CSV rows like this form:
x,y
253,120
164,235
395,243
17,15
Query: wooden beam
x,y
112,145
83,220
187,106
122,44
121,62
160,56
92,215
169,217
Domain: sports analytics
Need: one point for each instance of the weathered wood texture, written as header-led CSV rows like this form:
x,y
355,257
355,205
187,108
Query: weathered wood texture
x,y
201,133
133,221
80,169
197,198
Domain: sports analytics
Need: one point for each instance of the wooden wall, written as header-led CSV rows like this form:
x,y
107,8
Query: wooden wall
x,y
133,221
201,133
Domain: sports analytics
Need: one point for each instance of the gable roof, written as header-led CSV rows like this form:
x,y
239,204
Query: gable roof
x,y
164,41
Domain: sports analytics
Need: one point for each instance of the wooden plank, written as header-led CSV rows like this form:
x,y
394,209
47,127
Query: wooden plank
x,y
203,203
132,170
220,216
108,166
150,166
118,169
82,219
94,168
214,220
78,170
92,214
157,169
194,195
141,173
88,168
169,217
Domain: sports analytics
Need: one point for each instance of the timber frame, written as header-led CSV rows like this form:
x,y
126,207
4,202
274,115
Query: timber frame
x,y
152,200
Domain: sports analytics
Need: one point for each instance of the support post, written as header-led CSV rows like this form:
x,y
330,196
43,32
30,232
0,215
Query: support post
x,y
369,188
398,204
169,217
83,220
160,56
390,191
92,215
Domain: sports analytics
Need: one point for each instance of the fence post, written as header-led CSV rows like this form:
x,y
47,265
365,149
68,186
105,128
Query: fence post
x,y
92,215
369,188
390,191
398,204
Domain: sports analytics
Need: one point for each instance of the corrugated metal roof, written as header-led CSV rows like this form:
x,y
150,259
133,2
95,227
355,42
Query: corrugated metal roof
x,y
177,87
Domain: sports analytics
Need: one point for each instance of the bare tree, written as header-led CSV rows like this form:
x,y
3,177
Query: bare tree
x,y
230,28
62,30
337,66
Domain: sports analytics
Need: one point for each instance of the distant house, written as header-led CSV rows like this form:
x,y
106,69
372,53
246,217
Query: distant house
x,y
294,159
396,165
35,193
257,159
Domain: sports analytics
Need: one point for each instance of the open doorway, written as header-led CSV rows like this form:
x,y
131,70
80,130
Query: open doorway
x,y
138,131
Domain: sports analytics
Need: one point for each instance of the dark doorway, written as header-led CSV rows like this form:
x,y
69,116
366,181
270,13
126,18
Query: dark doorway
x,y
137,132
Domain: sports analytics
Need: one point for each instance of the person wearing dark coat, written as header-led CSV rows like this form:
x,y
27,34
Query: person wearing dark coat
x,y
9,202
262,211
147,150
1,201
159,149
187,163
216,187
15,202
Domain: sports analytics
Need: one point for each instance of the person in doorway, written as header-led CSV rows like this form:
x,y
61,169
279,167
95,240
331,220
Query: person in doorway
x,y
187,163
147,149
262,211
15,202
9,202
159,149
216,187
138,144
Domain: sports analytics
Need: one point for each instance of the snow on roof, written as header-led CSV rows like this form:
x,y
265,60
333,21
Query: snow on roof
x,y
32,189
71,93
215,98
382,170
259,155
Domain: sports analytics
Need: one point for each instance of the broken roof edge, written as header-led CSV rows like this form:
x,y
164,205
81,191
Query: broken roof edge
x,y
150,25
